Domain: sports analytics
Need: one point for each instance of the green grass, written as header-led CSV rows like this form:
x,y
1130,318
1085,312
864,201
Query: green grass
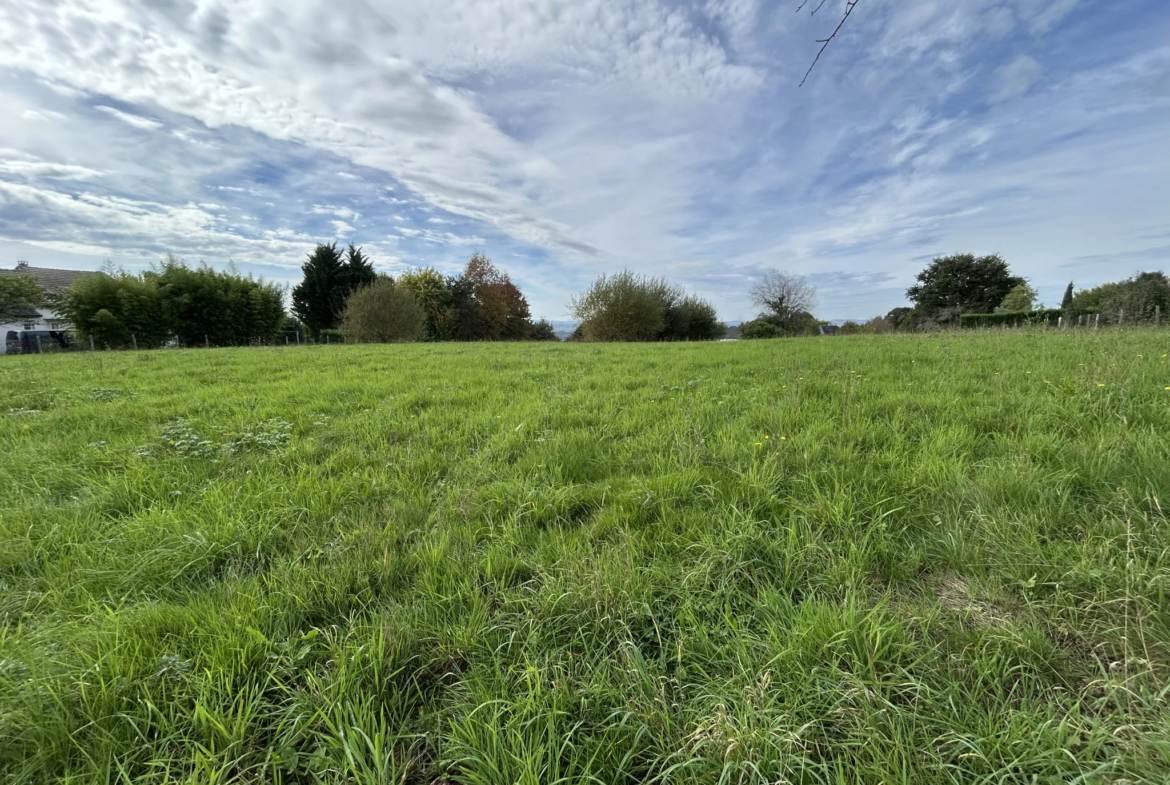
x,y
869,559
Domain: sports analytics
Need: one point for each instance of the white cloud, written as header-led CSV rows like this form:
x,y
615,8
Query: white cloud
x,y
346,213
20,164
44,115
90,223
1015,78
134,120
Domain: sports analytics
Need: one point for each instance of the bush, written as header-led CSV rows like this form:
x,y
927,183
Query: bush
x,y
628,307
758,328
902,319
851,328
970,321
543,331
382,313
329,336
691,319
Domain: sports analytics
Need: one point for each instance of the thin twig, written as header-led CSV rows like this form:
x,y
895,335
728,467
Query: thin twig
x,y
825,41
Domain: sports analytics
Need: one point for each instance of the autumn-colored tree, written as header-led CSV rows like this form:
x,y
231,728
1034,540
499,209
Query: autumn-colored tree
x,y
430,292
503,313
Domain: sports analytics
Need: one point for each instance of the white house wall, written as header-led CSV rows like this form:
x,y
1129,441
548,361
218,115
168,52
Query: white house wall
x,y
48,320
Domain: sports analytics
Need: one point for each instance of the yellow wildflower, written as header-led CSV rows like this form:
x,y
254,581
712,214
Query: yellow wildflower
x,y
1101,385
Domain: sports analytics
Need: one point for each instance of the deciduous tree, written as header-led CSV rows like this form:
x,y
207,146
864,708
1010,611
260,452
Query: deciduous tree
x,y
962,283
787,300
18,294
1021,298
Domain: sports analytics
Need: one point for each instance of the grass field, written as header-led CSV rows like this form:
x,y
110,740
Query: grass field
x,y
871,559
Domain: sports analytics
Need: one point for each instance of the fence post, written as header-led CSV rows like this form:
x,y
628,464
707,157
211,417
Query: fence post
x,y
326,339
91,342
1097,322
1121,317
38,344
134,341
206,343
298,337
1059,322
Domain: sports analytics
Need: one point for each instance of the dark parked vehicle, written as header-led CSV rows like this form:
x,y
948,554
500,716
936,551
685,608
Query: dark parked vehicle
x,y
36,341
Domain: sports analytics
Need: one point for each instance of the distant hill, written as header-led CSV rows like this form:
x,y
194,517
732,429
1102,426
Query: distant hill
x,y
563,329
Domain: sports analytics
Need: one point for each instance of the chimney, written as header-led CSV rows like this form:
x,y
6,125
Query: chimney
x,y
22,265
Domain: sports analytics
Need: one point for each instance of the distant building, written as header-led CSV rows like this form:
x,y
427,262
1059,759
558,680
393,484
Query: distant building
x,y
829,329
52,282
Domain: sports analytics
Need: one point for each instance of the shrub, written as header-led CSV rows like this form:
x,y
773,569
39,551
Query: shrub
x,y
543,331
620,307
851,328
628,307
758,328
382,313
691,319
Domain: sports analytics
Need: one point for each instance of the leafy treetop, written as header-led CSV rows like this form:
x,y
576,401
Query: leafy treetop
x,y
963,282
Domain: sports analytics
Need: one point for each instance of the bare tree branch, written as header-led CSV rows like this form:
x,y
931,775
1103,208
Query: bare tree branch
x,y
849,6
784,294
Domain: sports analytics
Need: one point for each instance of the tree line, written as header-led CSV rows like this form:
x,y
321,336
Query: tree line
x,y
965,290
172,303
342,295
341,292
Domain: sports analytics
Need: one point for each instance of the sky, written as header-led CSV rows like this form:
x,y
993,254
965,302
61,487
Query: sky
x,y
570,138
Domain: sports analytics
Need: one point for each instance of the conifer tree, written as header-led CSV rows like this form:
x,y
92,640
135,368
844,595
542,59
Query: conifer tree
x,y
359,272
319,299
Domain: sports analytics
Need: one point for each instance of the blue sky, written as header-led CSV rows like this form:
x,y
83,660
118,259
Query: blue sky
x,y
570,138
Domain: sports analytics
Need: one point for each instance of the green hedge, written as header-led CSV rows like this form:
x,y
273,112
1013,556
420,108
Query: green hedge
x,y
330,336
976,320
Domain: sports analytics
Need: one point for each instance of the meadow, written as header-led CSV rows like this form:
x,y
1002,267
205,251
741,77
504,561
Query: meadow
x,y
873,559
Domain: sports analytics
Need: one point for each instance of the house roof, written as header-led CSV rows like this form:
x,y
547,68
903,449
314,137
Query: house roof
x,y
24,314
49,279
